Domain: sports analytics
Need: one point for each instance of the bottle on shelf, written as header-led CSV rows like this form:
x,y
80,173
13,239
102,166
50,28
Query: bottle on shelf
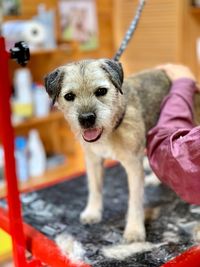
x,y
21,159
23,100
37,156
41,101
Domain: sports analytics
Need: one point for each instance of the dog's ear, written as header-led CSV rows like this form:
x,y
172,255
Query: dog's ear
x,y
114,71
53,83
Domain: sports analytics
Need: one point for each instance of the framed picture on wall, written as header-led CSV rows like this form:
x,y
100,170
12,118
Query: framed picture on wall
x,y
78,22
10,7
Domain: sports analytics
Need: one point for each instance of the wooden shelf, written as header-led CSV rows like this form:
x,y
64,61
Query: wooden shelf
x,y
16,17
54,132
74,164
43,51
53,116
67,47
195,10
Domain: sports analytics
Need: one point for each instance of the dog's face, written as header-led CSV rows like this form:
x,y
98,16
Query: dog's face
x,y
89,94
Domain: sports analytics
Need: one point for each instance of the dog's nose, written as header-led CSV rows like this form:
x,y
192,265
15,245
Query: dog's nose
x,y
87,120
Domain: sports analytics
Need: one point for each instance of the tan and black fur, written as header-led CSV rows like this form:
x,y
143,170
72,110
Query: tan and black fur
x,y
122,118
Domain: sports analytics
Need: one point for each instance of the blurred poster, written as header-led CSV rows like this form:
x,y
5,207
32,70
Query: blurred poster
x,y
10,7
78,21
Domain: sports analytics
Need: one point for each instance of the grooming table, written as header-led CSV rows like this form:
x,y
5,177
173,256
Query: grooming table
x,y
55,209
49,211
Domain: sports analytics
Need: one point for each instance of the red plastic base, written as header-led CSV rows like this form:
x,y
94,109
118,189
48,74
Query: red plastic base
x,y
190,258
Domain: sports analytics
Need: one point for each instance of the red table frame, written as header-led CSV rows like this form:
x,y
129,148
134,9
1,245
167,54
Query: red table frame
x,y
24,237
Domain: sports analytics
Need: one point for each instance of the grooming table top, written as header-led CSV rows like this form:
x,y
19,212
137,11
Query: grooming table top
x,y
56,209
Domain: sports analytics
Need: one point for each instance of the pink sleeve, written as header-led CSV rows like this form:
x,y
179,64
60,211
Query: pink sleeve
x,y
173,145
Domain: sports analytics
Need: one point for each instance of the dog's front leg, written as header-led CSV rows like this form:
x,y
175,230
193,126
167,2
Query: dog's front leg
x,y
135,230
93,211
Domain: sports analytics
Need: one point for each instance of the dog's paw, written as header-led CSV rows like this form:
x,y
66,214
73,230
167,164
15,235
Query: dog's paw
x,y
90,217
134,235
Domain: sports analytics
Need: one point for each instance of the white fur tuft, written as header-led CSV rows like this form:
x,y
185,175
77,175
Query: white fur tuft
x,y
196,233
70,247
120,252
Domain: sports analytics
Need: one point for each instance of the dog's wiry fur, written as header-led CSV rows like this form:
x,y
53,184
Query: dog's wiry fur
x,y
124,115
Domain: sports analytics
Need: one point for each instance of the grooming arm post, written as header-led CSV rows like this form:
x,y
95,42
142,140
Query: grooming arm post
x,y
7,138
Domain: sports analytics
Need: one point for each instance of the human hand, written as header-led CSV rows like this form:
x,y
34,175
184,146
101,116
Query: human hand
x,y
177,71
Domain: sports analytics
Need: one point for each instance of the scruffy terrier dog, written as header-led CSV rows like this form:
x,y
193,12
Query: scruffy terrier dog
x,y
110,116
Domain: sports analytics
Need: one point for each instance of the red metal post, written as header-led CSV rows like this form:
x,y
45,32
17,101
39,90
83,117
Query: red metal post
x,y
7,138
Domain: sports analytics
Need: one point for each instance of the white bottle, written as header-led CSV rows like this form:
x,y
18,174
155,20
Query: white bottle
x,y
21,159
47,19
41,101
23,101
37,155
23,85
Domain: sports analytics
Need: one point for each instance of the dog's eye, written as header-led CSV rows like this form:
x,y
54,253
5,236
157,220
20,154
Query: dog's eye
x,y
101,91
70,97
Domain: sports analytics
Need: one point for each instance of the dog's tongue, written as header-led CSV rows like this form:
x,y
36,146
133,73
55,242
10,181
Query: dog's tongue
x,y
91,134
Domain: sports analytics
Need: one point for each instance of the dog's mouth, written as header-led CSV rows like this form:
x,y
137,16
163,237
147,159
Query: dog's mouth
x,y
92,135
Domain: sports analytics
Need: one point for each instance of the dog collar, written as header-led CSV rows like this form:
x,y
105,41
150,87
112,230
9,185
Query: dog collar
x,y
120,120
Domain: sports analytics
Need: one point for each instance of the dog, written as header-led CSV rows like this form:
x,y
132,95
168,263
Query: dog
x,y
110,116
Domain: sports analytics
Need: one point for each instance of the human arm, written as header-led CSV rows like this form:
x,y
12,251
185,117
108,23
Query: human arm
x,y
173,146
